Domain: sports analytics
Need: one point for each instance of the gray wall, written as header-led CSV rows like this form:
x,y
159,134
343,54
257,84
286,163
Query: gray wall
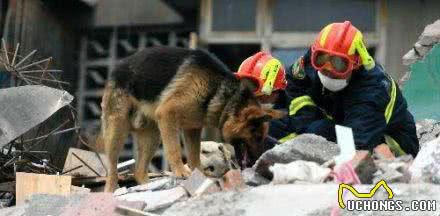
x,y
405,21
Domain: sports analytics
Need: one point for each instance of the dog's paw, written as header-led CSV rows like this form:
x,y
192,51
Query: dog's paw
x,y
182,172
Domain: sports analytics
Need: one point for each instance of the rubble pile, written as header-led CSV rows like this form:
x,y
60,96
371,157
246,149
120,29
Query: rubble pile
x,y
427,130
286,180
426,166
37,122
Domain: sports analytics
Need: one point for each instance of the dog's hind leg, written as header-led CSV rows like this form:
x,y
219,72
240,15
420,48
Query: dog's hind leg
x,y
115,128
192,145
147,140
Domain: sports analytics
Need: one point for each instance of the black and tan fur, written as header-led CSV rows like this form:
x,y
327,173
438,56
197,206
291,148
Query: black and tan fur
x,y
159,92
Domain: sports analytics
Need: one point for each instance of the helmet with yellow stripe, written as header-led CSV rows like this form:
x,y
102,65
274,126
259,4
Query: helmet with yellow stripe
x,y
339,49
266,71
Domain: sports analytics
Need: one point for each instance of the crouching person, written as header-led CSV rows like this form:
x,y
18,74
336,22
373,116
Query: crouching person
x,y
338,82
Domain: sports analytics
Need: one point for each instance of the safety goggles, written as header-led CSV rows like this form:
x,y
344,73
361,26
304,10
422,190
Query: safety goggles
x,y
338,65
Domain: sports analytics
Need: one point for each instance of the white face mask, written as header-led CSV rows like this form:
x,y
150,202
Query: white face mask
x,y
333,85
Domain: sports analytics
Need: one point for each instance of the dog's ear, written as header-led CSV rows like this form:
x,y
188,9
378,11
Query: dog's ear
x,y
246,91
248,83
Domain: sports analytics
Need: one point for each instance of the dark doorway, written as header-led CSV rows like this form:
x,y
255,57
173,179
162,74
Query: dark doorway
x,y
233,54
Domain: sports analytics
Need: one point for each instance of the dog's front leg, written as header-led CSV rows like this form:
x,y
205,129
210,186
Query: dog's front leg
x,y
169,132
192,145
147,140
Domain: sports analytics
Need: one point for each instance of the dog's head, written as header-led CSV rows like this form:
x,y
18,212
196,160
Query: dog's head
x,y
246,127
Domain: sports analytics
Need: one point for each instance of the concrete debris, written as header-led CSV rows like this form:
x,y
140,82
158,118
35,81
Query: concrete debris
x,y
410,58
307,147
427,130
24,107
426,166
233,180
216,159
163,183
120,191
251,178
299,171
429,37
198,184
97,204
6,199
19,210
431,34
80,190
393,171
156,200
85,163
295,199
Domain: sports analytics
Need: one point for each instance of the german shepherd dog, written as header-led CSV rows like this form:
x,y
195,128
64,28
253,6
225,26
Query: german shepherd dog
x,y
159,92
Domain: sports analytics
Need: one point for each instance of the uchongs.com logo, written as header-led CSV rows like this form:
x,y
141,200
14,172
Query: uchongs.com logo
x,y
365,203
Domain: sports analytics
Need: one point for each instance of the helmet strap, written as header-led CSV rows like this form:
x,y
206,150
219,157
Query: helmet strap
x,y
366,59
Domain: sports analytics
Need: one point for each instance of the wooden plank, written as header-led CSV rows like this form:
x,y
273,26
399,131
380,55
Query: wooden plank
x,y
28,184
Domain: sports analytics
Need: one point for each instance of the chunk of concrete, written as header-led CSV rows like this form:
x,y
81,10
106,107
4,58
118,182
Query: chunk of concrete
x,y
411,57
393,171
252,178
164,183
307,147
426,166
427,130
120,191
431,34
299,171
422,50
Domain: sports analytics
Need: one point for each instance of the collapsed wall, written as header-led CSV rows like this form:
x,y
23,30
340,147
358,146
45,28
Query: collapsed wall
x,y
427,40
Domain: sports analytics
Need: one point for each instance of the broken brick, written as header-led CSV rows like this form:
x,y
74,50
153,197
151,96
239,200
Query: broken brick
x,y
233,180
364,166
198,184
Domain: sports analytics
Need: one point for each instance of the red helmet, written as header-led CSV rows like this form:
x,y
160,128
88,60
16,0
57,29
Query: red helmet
x,y
266,71
339,48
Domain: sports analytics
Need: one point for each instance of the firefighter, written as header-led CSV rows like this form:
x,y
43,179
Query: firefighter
x,y
338,82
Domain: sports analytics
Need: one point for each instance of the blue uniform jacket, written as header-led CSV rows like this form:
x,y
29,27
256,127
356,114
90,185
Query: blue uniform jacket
x,y
372,105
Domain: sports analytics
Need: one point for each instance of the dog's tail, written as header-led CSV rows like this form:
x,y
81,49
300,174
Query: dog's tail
x,y
92,138
94,135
